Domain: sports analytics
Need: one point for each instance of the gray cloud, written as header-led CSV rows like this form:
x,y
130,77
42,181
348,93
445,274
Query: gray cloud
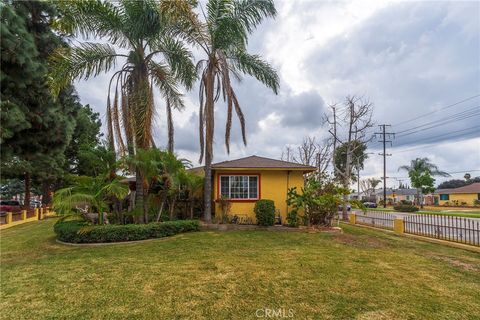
x,y
410,59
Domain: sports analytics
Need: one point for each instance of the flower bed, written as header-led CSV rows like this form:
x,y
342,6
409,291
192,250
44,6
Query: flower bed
x,y
82,232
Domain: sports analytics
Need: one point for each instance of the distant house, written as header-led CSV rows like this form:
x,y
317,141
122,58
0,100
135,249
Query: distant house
x,y
246,180
465,195
397,195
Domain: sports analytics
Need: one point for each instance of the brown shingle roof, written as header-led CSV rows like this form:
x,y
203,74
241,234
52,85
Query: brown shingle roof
x,y
471,188
261,162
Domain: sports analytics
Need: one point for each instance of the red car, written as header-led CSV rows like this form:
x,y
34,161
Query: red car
x,y
10,206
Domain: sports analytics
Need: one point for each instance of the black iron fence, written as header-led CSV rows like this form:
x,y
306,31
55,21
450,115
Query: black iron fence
x,y
450,228
377,219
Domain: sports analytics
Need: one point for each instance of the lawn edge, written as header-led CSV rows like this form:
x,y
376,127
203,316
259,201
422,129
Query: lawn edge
x,y
425,239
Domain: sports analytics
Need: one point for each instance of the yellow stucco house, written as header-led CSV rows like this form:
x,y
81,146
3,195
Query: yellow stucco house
x,y
246,180
465,195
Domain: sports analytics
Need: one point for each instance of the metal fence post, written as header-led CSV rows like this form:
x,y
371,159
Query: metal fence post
x,y
398,226
353,218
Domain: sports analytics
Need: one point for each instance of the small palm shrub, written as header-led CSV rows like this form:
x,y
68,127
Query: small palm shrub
x,y
265,212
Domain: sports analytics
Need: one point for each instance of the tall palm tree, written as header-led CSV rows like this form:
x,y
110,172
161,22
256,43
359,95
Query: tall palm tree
x,y
223,37
142,37
421,172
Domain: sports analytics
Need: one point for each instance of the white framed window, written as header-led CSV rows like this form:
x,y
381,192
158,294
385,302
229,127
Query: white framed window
x,y
239,187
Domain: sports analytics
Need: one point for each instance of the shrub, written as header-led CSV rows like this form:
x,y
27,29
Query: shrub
x,y
265,212
293,219
82,232
318,200
405,208
476,202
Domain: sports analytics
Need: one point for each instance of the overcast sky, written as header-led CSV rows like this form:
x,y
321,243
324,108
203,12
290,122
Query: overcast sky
x,y
417,62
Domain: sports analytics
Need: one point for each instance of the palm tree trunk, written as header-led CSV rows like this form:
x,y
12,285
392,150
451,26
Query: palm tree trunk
x,y
191,210
209,119
172,208
139,195
160,211
170,128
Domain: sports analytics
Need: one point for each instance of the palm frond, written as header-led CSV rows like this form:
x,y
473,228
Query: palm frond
x,y
179,59
252,12
92,18
166,83
253,65
87,60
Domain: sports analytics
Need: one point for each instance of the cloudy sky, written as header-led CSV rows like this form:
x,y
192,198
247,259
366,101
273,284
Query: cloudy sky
x,y
417,62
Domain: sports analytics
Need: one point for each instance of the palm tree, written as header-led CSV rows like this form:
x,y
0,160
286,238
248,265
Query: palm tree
x,y
92,193
142,37
421,172
194,186
223,39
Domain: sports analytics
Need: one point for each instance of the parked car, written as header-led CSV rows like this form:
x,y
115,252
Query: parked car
x,y
35,204
340,207
370,204
10,206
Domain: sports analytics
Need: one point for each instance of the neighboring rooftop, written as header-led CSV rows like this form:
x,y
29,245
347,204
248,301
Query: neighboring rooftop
x,y
402,192
256,162
471,188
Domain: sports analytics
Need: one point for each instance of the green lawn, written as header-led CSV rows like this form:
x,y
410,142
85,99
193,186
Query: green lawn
x,y
361,274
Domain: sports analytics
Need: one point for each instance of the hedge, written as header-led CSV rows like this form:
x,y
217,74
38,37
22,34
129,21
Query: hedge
x,y
405,208
83,232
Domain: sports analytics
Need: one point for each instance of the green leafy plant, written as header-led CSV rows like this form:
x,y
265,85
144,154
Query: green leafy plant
x,y
225,206
265,212
75,231
318,201
293,220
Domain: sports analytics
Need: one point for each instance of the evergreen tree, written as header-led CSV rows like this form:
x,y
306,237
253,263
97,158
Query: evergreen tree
x,y
38,128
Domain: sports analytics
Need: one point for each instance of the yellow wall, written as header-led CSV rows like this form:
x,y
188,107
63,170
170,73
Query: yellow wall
x,y
469,198
273,186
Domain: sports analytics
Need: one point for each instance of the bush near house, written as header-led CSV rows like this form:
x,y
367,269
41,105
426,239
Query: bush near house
x,y
405,208
293,220
75,231
265,212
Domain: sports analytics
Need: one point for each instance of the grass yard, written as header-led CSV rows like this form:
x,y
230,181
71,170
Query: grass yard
x,y
361,274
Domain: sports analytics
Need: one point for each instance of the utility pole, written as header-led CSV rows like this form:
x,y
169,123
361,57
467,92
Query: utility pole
x,y
384,134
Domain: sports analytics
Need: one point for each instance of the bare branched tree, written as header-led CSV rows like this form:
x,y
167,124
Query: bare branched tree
x,y
356,118
310,153
306,152
287,153
368,186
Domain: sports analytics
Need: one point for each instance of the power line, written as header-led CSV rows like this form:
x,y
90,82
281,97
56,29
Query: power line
x,y
449,119
446,107
433,144
476,128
